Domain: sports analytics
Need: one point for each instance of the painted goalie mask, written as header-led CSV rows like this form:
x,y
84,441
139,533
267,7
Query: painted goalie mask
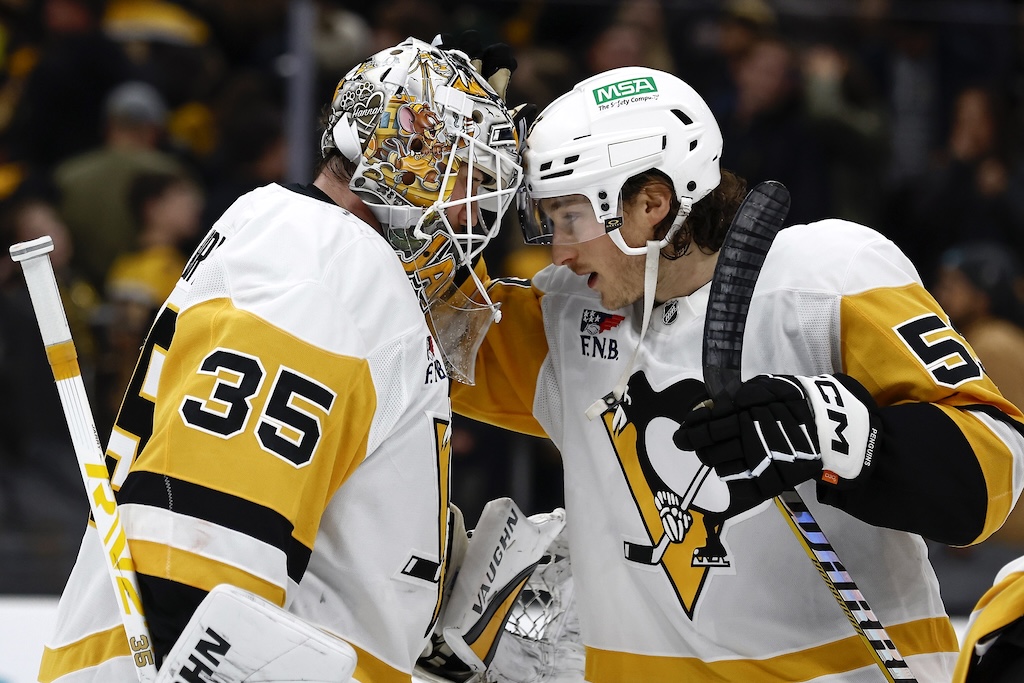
x,y
420,123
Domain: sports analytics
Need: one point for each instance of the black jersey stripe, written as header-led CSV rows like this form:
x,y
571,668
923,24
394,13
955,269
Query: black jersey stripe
x,y
241,515
169,605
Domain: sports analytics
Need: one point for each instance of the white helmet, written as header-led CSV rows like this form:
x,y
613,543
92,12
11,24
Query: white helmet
x,y
610,127
411,118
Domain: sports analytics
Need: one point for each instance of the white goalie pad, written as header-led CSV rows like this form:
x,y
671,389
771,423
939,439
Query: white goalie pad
x,y
238,637
505,548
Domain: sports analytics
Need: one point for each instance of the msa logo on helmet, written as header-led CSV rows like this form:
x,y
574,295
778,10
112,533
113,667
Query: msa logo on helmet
x,y
627,88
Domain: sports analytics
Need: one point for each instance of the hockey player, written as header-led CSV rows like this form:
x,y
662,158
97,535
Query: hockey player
x,y
993,646
287,427
684,569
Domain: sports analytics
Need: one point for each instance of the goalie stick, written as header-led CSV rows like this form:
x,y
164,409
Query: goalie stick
x,y
757,221
60,352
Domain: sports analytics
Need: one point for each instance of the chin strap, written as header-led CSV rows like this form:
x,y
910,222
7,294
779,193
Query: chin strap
x,y
653,253
612,399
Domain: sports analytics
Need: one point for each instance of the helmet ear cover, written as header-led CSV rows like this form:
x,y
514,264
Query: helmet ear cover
x,y
346,138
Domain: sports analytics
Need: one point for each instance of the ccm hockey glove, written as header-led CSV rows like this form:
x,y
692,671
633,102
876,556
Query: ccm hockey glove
x,y
781,430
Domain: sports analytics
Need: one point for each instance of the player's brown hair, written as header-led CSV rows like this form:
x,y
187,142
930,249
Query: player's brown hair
x,y
709,218
333,162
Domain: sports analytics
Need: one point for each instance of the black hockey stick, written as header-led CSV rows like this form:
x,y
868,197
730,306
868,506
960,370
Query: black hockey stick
x,y
758,220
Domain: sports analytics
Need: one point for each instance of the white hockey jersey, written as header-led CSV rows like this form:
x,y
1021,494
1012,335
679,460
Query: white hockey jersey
x,y
832,297
286,431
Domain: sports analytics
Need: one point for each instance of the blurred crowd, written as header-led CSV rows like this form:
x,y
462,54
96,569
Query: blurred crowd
x,y
128,126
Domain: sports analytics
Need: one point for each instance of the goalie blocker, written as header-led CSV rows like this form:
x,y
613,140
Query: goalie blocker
x,y
235,636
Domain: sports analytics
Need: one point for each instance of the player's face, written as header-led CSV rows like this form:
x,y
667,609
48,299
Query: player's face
x,y
464,215
617,277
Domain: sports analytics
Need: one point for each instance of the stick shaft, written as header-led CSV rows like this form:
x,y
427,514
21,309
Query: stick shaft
x,y
60,351
758,220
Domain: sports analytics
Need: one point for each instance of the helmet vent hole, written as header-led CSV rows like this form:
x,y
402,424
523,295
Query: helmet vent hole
x,y
573,158
693,145
408,178
664,141
691,186
545,166
682,117
478,116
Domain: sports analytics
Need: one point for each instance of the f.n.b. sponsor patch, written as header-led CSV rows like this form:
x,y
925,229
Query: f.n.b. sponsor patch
x,y
596,322
592,325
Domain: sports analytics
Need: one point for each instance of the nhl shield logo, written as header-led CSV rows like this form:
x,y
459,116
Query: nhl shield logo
x,y
671,311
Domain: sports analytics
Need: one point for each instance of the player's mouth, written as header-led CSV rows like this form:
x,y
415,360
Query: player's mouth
x,y
592,280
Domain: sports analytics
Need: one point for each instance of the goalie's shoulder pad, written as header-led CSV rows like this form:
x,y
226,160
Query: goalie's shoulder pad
x,y
238,637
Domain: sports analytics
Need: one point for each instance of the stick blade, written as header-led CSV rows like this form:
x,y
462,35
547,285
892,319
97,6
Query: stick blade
x,y
757,221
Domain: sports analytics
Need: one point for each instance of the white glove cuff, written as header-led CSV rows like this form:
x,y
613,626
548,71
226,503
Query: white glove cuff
x,y
843,423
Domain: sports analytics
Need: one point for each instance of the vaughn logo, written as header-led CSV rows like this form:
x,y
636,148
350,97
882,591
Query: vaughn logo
x,y
593,324
605,94
504,543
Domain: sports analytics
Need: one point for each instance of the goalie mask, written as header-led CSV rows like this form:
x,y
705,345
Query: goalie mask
x,y
587,143
436,161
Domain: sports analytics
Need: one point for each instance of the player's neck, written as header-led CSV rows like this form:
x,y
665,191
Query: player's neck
x,y
685,275
339,192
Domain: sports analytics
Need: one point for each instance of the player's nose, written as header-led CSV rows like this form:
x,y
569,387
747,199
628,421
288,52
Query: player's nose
x,y
563,254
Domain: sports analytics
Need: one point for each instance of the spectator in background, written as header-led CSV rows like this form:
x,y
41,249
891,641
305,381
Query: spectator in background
x,y
716,42
166,209
978,285
252,152
847,120
635,37
94,185
964,196
767,133
60,112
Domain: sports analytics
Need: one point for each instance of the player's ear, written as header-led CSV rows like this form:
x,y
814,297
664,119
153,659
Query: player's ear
x,y
656,201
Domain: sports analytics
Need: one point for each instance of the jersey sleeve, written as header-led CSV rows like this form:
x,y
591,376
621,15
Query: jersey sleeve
x,y
992,644
509,361
951,458
239,446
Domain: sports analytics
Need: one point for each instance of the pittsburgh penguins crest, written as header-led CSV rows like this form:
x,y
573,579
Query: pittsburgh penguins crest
x,y
682,504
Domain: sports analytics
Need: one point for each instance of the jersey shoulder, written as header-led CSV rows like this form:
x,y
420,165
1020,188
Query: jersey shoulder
x,y
312,269
836,256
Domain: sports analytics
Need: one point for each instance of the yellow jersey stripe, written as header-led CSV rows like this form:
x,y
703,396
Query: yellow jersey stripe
x,y
197,571
90,651
917,637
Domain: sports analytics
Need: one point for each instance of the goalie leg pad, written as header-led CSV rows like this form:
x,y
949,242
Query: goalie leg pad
x,y
238,637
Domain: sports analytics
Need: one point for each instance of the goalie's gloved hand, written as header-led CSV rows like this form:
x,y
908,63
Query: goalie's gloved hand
x,y
494,62
781,430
